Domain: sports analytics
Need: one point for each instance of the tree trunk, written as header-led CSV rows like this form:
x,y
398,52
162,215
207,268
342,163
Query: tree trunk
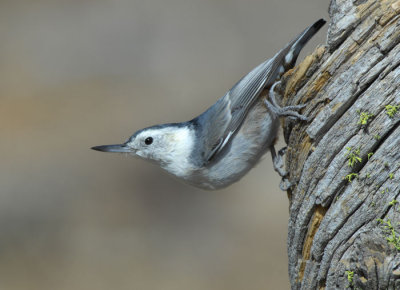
x,y
344,225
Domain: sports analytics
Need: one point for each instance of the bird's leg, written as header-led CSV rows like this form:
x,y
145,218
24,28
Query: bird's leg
x,y
277,160
288,111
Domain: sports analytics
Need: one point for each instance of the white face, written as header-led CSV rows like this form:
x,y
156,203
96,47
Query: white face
x,y
170,147
148,143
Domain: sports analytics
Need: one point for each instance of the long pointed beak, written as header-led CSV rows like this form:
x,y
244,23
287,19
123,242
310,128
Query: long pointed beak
x,y
117,148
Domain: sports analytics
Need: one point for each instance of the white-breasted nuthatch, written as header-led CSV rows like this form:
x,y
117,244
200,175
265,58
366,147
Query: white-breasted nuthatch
x,y
221,145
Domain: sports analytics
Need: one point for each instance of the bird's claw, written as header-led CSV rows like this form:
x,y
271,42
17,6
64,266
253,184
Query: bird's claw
x,y
288,111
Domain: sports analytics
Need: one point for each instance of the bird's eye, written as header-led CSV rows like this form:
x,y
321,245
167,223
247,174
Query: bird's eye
x,y
148,140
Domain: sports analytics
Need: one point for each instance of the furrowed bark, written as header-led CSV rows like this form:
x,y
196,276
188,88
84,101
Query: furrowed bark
x,y
344,225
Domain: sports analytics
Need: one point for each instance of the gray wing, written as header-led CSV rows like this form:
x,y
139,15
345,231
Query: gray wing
x,y
221,121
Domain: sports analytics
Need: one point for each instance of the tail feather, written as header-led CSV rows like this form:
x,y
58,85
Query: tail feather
x,y
300,41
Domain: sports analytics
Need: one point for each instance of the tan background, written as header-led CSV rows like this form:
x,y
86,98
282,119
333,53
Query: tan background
x,y
74,74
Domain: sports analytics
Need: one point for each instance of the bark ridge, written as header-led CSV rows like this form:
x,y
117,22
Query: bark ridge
x,y
344,225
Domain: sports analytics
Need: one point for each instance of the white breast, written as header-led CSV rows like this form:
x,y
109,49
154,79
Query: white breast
x,y
182,143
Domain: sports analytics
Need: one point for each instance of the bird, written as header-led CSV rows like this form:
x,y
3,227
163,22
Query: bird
x,y
221,145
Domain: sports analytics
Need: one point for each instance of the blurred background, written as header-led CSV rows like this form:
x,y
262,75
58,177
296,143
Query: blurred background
x,y
74,74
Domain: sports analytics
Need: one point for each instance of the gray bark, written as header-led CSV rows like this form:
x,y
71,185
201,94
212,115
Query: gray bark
x,y
346,234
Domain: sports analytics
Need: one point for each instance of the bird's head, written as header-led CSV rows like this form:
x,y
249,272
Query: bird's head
x,y
170,146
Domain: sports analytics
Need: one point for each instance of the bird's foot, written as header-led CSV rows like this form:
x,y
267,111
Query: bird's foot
x,y
277,160
288,111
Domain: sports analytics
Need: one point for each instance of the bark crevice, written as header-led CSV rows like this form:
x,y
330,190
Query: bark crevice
x,y
333,225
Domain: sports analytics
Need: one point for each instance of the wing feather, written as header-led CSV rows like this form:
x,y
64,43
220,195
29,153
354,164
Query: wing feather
x,y
221,121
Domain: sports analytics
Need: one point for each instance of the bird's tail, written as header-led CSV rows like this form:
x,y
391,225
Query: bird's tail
x,y
292,50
